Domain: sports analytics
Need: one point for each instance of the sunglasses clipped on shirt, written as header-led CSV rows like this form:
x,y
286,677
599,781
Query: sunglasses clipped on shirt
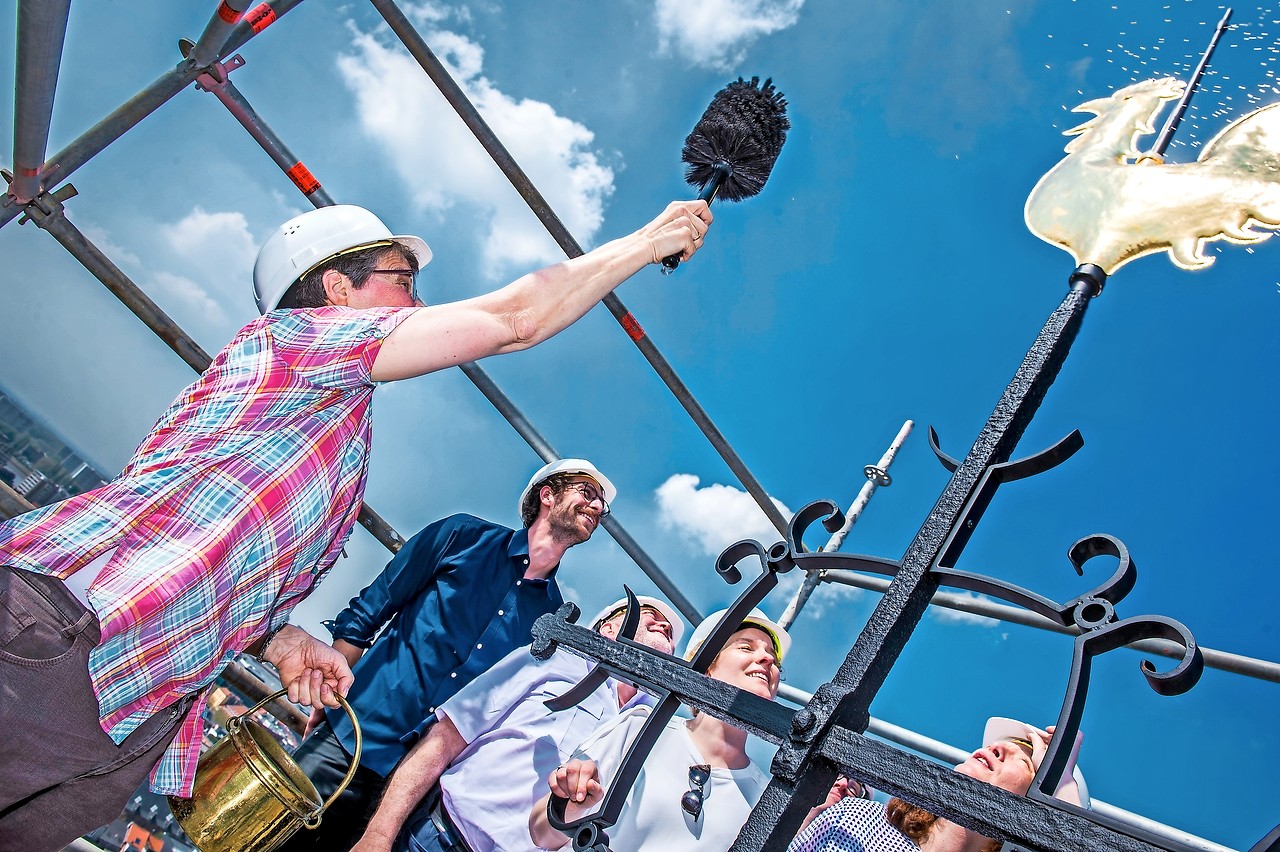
x,y
691,801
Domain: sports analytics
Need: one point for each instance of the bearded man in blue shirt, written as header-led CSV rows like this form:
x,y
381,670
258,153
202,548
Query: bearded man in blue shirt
x,y
457,598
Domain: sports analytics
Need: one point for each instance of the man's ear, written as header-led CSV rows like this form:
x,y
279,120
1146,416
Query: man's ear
x,y
336,287
547,496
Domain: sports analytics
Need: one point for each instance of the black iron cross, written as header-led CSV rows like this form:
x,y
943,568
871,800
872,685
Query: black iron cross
x,y
826,736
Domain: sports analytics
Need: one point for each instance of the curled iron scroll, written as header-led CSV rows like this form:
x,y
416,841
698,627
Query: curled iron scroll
x,y
1112,591
1102,631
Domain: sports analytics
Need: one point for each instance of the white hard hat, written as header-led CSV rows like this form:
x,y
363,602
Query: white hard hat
x,y
569,466
304,242
755,618
667,610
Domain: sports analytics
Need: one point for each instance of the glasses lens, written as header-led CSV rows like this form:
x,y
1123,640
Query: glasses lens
x,y
691,801
591,495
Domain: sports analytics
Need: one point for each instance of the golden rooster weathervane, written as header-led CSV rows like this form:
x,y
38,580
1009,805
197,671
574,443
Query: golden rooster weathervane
x,y
1107,203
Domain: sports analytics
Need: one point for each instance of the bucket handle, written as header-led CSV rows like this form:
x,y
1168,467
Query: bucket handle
x,y
313,820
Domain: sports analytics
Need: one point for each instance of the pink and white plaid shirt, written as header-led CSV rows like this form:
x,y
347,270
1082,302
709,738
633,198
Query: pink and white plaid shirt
x,y
234,506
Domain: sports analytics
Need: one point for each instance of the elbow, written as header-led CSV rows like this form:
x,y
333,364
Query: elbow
x,y
526,328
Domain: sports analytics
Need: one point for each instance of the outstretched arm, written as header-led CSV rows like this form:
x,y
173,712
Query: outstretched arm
x,y
413,777
538,305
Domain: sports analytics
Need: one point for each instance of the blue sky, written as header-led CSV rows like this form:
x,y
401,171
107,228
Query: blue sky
x,y
885,273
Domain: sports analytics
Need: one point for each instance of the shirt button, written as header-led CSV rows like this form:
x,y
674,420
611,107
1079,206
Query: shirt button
x,y
479,645
502,612
432,710
453,674
517,582
526,561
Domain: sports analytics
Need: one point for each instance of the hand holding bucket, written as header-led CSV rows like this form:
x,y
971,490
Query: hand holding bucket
x,y
249,793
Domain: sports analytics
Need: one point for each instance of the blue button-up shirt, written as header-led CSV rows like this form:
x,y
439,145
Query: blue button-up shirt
x,y
455,601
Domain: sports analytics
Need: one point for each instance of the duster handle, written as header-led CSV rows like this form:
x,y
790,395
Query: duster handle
x,y
722,170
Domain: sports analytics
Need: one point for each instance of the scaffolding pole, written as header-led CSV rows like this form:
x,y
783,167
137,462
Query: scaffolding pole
x,y
42,30
877,475
1221,660
470,116
94,140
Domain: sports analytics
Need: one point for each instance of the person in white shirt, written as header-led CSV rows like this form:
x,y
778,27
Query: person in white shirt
x,y
698,784
495,741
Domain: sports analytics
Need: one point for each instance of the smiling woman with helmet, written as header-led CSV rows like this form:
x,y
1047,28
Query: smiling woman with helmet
x,y
698,784
236,505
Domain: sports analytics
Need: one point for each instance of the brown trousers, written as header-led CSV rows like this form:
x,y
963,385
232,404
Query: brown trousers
x,y
60,774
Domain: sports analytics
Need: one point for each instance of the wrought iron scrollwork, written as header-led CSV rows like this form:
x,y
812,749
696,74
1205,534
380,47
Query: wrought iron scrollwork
x,y
589,831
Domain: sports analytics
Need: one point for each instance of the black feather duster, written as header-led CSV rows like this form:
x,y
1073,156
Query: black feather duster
x,y
731,151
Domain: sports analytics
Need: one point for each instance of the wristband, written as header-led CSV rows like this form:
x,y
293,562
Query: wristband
x,y
266,641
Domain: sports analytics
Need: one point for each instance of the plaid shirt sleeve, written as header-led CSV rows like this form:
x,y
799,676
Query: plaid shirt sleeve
x,y
333,347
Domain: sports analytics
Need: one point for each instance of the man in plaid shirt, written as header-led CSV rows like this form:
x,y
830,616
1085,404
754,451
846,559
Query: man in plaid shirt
x,y
119,607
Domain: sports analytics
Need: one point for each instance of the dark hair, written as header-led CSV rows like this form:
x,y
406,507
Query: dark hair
x,y
308,291
532,502
916,823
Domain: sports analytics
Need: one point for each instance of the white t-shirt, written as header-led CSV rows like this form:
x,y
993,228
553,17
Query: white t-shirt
x,y
652,818
515,743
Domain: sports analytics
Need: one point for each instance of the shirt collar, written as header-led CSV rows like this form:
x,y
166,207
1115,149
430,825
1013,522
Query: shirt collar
x,y
518,549
519,545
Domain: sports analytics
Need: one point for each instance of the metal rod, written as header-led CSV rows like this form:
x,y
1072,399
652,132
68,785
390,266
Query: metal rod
x,y
951,755
42,30
1221,660
48,213
1166,134
876,474
226,92
216,32
217,83
12,503
94,140
401,26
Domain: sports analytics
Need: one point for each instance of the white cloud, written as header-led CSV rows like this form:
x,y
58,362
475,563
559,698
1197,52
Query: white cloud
x,y
955,616
716,34
192,295
715,516
213,241
118,254
400,108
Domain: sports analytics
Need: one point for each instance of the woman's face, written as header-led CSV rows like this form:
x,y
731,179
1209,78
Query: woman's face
x,y
748,661
1004,764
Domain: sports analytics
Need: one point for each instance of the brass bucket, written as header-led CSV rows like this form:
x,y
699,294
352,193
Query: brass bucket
x,y
250,795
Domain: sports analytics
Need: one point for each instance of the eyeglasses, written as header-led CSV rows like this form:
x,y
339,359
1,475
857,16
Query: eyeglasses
x,y
691,801
413,277
589,493
653,611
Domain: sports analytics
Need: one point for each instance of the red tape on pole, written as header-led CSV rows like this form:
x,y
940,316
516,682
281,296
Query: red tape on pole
x,y
260,17
227,14
632,326
303,179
